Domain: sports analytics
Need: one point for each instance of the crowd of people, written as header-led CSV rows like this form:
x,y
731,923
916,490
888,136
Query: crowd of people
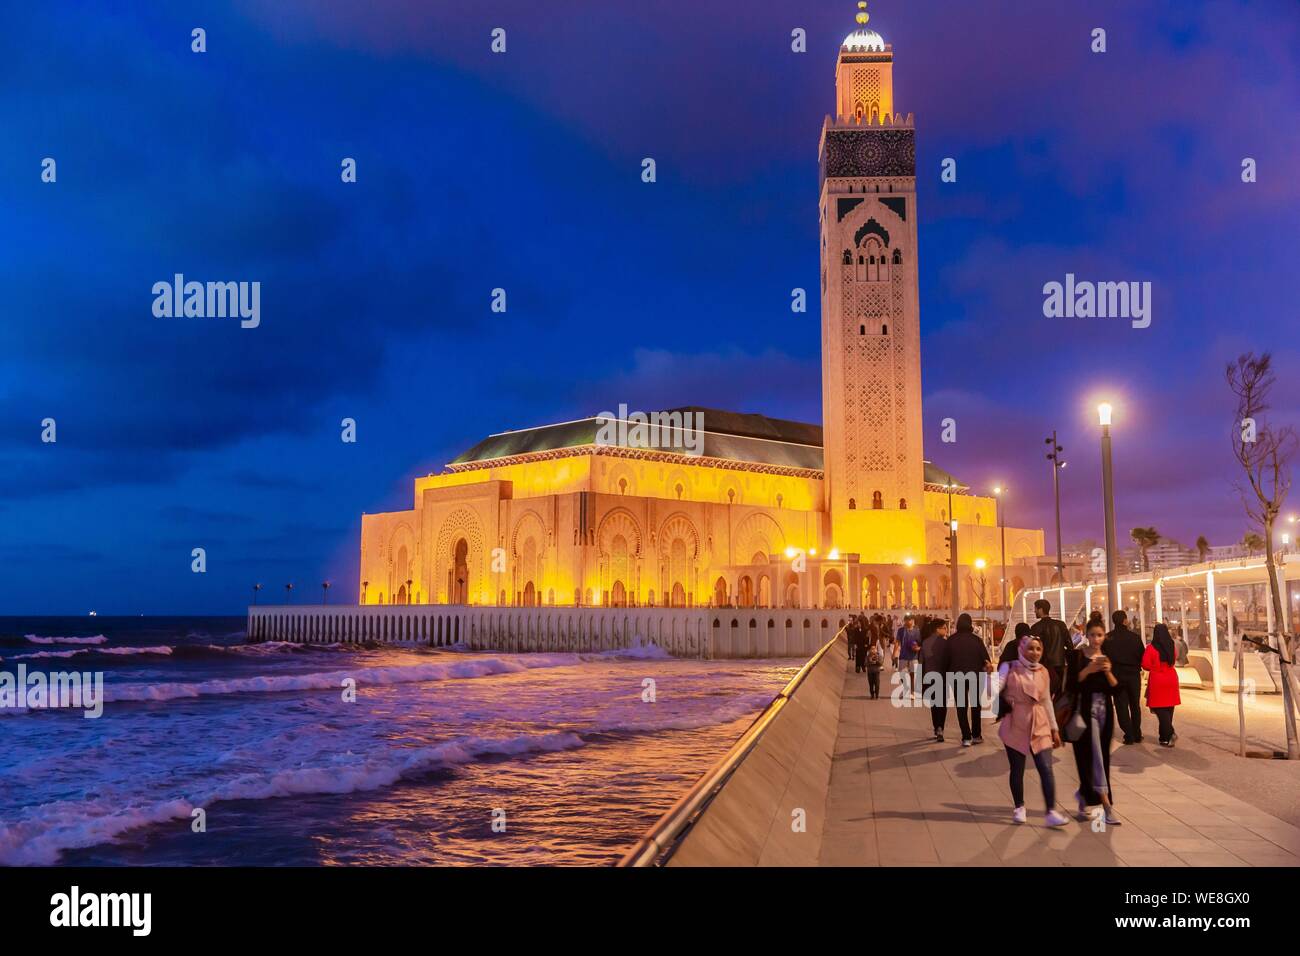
x,y
1051,685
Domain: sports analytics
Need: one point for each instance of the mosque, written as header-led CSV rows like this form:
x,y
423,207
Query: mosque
x,y
757,511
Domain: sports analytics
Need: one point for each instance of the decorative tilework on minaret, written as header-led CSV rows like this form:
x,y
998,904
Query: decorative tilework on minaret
x,y
871,361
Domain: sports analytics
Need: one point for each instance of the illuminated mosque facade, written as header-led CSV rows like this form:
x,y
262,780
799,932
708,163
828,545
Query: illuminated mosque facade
x,y
760,512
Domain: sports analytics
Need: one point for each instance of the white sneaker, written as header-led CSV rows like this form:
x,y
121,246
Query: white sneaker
x,y
1018,815
1112,818
1054,819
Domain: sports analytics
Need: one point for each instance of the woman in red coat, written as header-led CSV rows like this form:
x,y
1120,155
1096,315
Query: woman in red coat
x,y
1162,684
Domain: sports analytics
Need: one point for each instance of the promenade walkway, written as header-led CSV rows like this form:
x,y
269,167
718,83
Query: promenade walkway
x,y
897,798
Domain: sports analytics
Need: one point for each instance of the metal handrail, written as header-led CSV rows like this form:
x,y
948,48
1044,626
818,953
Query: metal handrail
x,y
658,843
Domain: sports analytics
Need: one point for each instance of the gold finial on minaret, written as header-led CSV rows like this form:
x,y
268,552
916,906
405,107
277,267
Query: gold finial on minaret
x,y
862,17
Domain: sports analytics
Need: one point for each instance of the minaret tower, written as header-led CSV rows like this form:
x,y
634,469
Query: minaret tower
x,y
871,343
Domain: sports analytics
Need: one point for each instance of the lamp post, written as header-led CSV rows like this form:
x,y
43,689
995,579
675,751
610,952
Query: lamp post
x,y
1108,493
952,557
1054,456
288,588
324,592
1002,524
256,588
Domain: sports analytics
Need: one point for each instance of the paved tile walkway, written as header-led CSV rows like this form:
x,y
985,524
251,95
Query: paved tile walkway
x,y
898,799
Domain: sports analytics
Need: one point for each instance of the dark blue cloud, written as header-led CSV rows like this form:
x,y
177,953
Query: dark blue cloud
x,y
522,171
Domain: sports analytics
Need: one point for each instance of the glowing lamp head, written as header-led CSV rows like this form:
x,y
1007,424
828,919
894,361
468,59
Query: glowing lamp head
x,y
790,552
954,524
813,552
835,554
980,564
908,561
1103,413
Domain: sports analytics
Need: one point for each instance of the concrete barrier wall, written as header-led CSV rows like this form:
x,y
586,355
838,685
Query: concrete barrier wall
x,y
683,632
751,820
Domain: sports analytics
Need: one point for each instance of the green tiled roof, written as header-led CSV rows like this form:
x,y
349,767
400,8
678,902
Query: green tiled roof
x,y
731,436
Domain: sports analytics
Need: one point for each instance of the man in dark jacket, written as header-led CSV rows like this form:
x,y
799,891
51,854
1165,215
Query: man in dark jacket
x,y
1124,648
1056,644
968,660
934,660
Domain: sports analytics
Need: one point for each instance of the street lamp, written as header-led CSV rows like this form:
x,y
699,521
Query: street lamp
x,y
325,592
956,583
289,591
1108,494
1054,456
256,588
1002,585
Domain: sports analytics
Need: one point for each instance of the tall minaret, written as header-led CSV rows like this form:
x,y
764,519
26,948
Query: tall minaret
x,y
871,344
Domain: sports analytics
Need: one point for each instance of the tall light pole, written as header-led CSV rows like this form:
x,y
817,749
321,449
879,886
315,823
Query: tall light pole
x,y
1054,456
1108,493
256,588
952,557
1002,524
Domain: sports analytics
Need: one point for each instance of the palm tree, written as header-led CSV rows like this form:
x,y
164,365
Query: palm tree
x,y
1202,548
325,592
1145,539
1253,542
256,588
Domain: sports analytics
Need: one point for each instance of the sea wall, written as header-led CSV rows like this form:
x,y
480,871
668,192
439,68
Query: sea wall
x,y
764,802
683,632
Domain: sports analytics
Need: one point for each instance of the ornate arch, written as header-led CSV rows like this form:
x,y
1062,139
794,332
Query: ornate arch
x,y
615,522
528,517
401,535
459,523
758,532
678,525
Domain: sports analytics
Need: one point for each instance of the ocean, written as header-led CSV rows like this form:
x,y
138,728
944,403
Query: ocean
x,y
213,752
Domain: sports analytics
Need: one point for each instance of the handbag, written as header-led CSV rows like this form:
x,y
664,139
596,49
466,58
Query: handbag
x,y
1074,727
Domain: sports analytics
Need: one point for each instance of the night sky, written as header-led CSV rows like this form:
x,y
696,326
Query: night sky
x,y
522,171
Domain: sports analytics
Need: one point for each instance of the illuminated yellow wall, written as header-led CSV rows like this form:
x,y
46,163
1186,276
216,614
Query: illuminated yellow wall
x,y
576,527
969,509
610,474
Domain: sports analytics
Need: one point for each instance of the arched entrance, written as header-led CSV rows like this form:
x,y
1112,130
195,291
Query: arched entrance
x,y
458,575
833,589
745,591
678,595
618,595
720,592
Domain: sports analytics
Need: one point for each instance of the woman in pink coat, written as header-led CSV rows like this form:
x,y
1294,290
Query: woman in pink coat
x,y
1029,730
1162,684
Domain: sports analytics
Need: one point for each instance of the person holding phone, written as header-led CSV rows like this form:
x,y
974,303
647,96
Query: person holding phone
x,y
1089,691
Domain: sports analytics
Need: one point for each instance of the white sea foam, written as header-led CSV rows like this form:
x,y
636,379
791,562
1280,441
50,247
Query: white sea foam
x,y
49,829
36,639
333,680
161,650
